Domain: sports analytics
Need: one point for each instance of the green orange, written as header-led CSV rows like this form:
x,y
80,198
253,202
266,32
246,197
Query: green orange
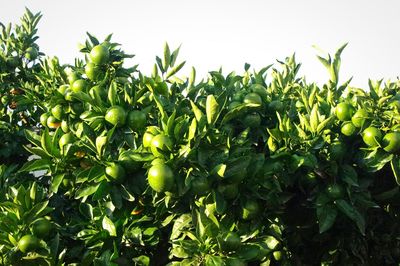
x,y
252,120
250,209
79,85
230,241
53,122
359,118
344,111
99,54
391,142
252,98
160,143
43,119
116,116
41,227
92,71
348,129
58,111
160,177
31,53
115,172
372,136
65,139
136,120
28,243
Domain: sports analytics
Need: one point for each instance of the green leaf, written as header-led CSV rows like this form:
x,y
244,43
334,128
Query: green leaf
x,y
139,156
395,164
86,190
387,194
37,211
109,226
192,77
102,190
211,109
197,112
170,123
46,142
86,209
377,159
93,39
349,175
100,144
37,151
220,202
322,125
174,56
192,129
112,93
212,260
238,111
56,181
351,212
36,165
175,69
179,225
167,57
314,119
326,217
179,252
32,137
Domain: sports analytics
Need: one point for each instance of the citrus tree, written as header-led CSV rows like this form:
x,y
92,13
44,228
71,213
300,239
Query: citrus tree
x,y
257,168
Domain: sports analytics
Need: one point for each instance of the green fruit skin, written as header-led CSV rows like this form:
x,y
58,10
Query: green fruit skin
x,y
99,54
250,210
391,142
233,105
79,85
98,91
28,243
92,71
41,228
229,191
160,178
72,77
371,136
348,129
136,119
200,186
230,241
359,118
58,111
31,53
253,98
147,138
43,119
252,120
116,116
344,111
115,172
160,142
64,126
66,139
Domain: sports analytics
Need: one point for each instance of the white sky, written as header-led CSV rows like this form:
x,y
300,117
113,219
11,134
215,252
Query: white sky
x,y
228,33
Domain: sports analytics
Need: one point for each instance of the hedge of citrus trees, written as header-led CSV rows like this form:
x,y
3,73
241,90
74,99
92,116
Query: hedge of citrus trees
x,y
101,164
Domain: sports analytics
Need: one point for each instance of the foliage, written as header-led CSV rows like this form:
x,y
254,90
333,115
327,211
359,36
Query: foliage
x,y
261,168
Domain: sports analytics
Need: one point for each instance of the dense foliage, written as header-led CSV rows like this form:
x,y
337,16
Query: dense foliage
x,y
104,165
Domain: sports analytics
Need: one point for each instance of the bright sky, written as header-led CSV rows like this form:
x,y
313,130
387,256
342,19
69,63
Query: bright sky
x,y
228,33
